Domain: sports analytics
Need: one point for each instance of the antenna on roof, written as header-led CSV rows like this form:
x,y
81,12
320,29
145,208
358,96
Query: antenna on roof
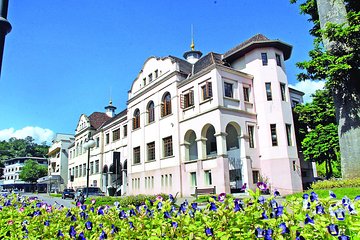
x,y
110,102
192,46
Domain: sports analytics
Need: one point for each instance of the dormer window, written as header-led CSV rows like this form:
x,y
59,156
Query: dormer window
x,y
144,82
156,73
150,77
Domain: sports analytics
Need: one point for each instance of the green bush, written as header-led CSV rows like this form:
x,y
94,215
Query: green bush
x,y
126,200
334,183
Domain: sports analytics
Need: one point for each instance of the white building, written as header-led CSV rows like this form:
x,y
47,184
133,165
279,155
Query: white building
x,y
218,120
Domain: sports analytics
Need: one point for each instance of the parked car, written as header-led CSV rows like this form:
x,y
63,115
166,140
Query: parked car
x,y
68,193
93,191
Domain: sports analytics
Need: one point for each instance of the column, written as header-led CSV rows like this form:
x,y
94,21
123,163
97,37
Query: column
x,y
221,143
244,161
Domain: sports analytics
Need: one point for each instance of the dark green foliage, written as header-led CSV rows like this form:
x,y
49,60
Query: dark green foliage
x,y
333,183
127,200
22,148
32,171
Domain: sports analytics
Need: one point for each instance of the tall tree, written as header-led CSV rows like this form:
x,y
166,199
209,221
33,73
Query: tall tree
x,y
336,58
32,171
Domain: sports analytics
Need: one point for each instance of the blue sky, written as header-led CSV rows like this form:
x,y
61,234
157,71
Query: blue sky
x,y
66,57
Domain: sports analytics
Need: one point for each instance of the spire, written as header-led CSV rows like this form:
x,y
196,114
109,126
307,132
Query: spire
x,y
192,56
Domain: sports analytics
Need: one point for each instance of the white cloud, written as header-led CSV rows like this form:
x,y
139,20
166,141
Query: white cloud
x,y
39,134
308,87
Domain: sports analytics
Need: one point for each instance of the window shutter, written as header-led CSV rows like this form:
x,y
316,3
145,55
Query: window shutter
x,y
182,104
162,109
191,98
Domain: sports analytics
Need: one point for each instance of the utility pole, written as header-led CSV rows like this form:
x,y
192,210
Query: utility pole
x,y
5,27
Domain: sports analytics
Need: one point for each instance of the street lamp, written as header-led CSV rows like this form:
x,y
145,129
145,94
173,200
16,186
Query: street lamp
x,y
87,146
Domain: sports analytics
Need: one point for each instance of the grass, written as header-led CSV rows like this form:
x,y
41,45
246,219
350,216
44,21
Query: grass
x,y
324,193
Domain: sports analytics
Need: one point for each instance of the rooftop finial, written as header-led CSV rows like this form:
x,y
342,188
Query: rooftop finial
x,y
110,102
192,46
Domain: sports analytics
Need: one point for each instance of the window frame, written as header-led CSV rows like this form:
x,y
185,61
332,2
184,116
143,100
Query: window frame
x,y
246,93
168,150
166,105
289,134
151,151
136,155
251,130
264,59
273,134
228,90
283,91
206,91
278,59
136,119
268,91
116,134
187,99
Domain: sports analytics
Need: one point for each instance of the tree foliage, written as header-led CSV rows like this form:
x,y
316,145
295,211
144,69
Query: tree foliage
x,y
32,171
316,124
22,148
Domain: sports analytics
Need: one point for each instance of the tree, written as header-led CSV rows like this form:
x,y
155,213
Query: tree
x,y
317,128
32,171
336,58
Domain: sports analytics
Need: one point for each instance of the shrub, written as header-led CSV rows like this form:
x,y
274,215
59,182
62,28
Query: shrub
x,y
334,183
126,200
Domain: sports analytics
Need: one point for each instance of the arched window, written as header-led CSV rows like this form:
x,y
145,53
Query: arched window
x,y
136,119
166,105
151,112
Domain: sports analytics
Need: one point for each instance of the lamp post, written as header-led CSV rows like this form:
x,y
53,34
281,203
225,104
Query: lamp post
x,y
87,146
5,27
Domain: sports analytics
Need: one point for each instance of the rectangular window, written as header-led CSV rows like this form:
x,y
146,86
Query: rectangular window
x,y
273,135
84,169
278,59
107,138
150,77
162,180
125,131
80,170
92,168
246,91
116,134
256,176
288,134
268,91
283,91
187,99
156,73
146,183
228,90
264,59
97,166
193,179
206,90
251,136
168,149
97,142
152,182
170,180
151,151
76,171
136,155
208,177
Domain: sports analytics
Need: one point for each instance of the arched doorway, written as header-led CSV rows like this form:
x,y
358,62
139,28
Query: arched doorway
x,y
208,133
191,145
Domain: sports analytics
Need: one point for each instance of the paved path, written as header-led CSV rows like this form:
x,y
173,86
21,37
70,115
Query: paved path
x,y
52,200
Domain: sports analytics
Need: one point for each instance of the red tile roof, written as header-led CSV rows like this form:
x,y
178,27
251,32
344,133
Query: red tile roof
x,y
97,119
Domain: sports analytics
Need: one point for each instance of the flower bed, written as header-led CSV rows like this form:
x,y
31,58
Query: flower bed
x,y
223,218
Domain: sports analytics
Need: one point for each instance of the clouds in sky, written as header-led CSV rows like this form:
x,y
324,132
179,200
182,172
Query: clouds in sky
x,y
308,87
39,134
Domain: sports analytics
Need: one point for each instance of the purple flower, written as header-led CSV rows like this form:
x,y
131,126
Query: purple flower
x,y
268,234
100,211
103,235
221,197
114,229
276,193
171,198
357,198
38,205
132,212
259,233
209,231
212,207
305,196
131,224
72,232
333,229
167,215
299,237
320,209
262,186
73,218
340,214
264,216
159,205
351,209
309,220
345,201
182,208
279,211
88,225
83,207
174,224
59,234
68,214
92,209
194,205
284,228
122,214
273,204
313,196
261,200
47,223
81,236
343,237
332,194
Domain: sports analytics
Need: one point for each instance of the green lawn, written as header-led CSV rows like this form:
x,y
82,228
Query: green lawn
x,y
324,193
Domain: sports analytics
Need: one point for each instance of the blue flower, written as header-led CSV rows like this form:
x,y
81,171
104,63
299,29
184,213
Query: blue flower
x,y
357,198
92,209
114,229
276,193
261,200
306,204
212,207
25,229
100,211
268,234
259,233
68,214
47,223
167,215
131,224
174,224
171,198
103,235
132,212
279,211
273,204
319,209
332,194
59,234
351,209
88,225
333,229
284,228
309,220
299,237
194,205
209,231
264,216
73,218
340,214
343,237
182,208
345,201
81,236
83,207
237,207
38,205
72,232
313,196
122,214
305,196
159,205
